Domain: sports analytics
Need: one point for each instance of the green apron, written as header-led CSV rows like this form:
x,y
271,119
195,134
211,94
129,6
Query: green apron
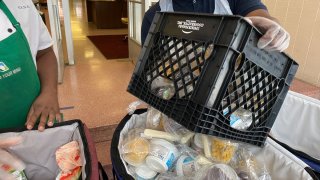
x,y
19,82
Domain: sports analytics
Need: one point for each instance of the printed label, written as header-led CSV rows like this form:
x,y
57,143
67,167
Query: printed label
x,y
170,160
234,119
3,67
8,72
159,151
188,26
163,153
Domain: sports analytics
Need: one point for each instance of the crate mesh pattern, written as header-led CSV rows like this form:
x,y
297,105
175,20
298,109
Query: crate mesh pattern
x,y
213,76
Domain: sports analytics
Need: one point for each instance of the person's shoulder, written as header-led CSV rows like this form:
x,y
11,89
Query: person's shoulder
x,y
152,11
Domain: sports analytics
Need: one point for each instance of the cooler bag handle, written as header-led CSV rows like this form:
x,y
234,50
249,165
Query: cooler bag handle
x,y
102,174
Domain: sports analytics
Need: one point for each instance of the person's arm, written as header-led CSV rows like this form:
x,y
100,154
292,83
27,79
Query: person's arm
x,y
46,105
146,23
147,20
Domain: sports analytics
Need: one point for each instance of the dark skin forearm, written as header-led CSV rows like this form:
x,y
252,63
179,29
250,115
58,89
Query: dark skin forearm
x,y
45,106
47,70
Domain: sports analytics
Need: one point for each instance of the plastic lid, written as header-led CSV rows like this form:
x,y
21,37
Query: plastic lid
x,y
167,151
156,164
145,172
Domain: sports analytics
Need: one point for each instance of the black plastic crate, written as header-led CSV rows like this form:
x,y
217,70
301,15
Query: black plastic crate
x,y
216,68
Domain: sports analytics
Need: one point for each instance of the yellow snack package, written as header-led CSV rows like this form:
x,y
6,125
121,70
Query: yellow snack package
x,y
135,151
222,151
135,148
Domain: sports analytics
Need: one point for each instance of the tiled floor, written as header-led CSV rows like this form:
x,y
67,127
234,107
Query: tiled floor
x,y
94,90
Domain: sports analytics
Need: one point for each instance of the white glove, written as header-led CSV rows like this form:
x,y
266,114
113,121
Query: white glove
x,y
275,37
8,159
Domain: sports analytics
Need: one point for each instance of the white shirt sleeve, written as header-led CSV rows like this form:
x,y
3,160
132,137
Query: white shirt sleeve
x,y
45,40
32,25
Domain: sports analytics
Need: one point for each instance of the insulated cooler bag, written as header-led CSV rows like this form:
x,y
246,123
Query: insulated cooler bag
x,y
297,128
280,163
38,150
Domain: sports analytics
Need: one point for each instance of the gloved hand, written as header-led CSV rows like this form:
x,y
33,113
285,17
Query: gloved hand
x,y
8,159
275,37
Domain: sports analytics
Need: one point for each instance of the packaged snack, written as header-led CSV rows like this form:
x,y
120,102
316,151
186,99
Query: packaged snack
x,y
163,88
19,175
186,166
154,119
135,151
160,134
162,155
68,156
198,158
70,175
197,143
247,167
241,119
206,145
177,130
135,148
222,151
69,161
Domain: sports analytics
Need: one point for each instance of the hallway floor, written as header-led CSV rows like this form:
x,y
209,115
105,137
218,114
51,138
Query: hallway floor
x,y
94,89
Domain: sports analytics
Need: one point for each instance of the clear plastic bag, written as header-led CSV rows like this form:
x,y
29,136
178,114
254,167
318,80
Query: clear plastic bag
x,y
177,130
186,164
199,158
247,167
133,106
241,119
154,119
135,148
163,88
222,151
216,172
